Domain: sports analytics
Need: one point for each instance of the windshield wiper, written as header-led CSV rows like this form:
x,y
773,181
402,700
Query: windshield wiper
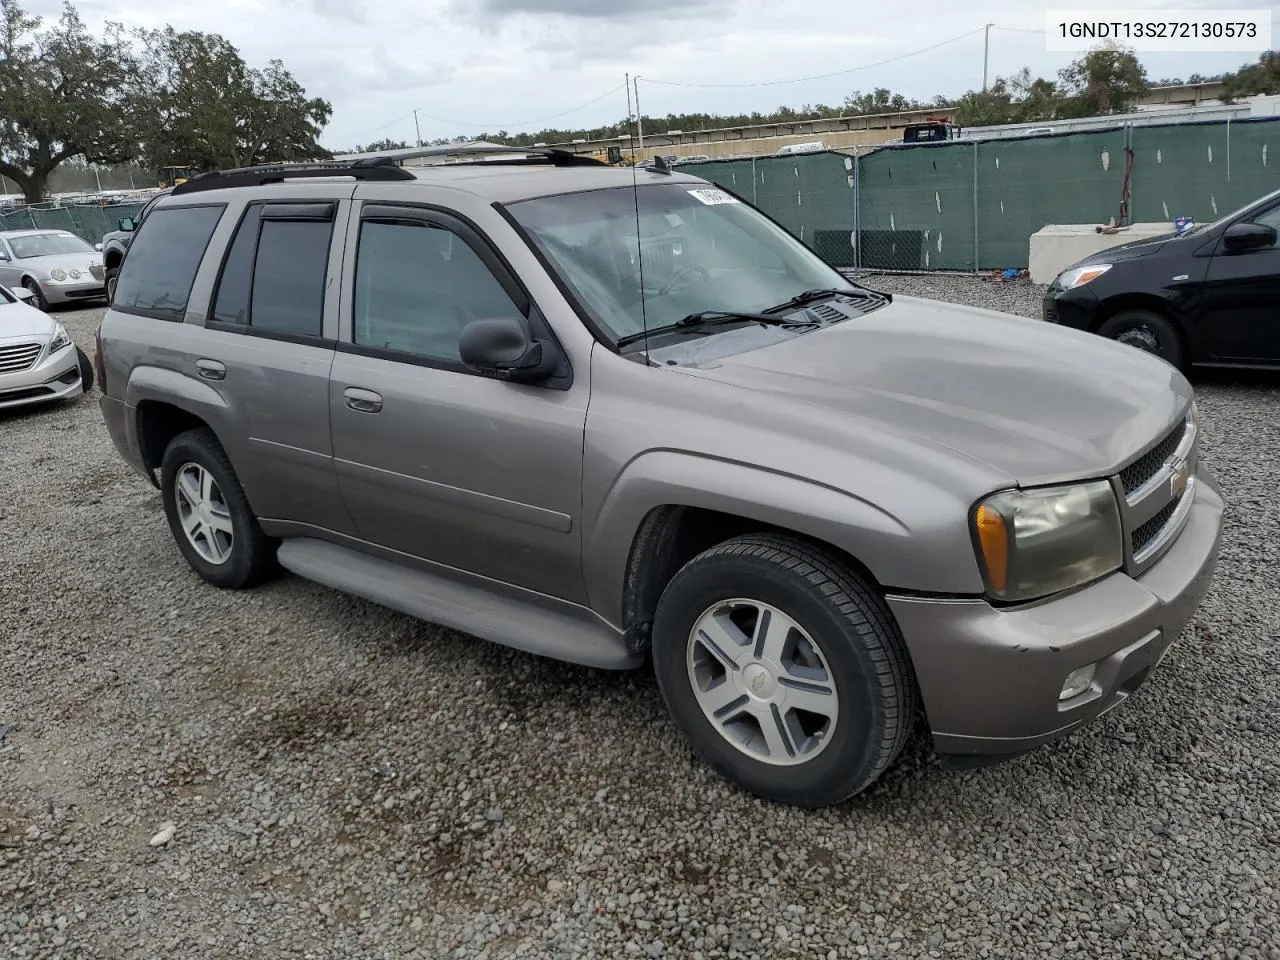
x,y
712,318
811,296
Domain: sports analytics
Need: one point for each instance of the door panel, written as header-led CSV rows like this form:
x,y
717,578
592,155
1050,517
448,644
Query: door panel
x,y
433,460
1242,302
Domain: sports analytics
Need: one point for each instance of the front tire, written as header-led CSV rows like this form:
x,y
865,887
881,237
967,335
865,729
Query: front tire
x,y
1146,330
208,514
37,294
784,669
86,370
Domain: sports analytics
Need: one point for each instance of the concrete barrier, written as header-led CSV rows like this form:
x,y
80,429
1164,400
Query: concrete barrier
x,y
1056,246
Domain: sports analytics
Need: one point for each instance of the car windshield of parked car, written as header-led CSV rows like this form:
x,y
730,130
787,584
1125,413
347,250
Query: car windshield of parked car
x,y
47,245
697,248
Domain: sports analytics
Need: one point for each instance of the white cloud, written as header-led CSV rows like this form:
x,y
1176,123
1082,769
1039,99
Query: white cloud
x,y
482,65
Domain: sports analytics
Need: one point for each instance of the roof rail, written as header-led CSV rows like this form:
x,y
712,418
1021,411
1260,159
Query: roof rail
x,y
500,154
373,168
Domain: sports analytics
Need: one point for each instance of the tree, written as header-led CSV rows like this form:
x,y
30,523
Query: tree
x,y
207,107
1107,79
1254,78
63,93
879,100
1016,99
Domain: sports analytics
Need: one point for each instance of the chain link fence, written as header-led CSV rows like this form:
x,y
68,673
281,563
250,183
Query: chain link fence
x,y
972,205
89,221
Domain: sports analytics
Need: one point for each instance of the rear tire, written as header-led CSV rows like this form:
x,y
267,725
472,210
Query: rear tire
x,y
1146,330
109,282
226,545
842,701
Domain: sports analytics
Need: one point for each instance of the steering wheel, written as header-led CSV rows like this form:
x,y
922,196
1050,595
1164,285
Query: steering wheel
x,y
680,273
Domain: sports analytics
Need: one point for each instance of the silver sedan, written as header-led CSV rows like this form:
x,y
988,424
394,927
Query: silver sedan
x,y
55,265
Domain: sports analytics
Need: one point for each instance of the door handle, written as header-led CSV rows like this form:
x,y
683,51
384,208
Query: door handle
x,y
211,369
362,401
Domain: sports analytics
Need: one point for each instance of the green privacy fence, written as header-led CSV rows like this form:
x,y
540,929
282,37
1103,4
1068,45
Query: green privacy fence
x,y
973,205
88,220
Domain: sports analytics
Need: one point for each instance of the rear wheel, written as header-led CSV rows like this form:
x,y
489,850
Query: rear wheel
x,y
37,295
109,282
784,669
209,516
1146,330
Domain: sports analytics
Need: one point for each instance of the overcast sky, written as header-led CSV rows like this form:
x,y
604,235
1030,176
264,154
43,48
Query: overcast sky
x,y
476,65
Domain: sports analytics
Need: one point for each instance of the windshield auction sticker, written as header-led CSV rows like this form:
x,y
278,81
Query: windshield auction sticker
x,y
712,197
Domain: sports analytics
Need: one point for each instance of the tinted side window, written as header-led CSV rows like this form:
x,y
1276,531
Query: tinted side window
x,y
1270,218
232,302
288,277
157,275
417,286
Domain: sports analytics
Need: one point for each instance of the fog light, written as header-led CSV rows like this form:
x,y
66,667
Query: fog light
x,y
1077,682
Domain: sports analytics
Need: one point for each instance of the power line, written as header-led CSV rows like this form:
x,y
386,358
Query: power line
x,y
996,26
822,76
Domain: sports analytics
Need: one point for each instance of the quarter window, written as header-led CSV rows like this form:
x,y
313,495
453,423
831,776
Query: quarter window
x,y
156,278
417,285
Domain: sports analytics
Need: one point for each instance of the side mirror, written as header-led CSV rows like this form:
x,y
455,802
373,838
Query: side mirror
x,y
504,350
98,246
126,224
3,255
1248,236
23,294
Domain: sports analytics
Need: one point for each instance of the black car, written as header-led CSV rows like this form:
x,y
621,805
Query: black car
x,y
1207,297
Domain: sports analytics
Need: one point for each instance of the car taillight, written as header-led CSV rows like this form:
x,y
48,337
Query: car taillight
x,y
99,367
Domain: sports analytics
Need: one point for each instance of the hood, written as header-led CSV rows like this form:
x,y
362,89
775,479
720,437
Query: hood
x,y
19,320
1034,402
63,261
1132,250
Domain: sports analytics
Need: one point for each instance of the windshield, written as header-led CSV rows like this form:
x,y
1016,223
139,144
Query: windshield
x,y
1262,201
47,244
701,250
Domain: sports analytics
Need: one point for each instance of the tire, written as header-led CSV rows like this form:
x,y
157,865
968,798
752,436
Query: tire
x,y
38,294
86,370
1147,331
108,282
249,553
861,660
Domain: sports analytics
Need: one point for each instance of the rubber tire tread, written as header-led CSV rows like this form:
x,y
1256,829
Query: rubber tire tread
x,y
862,606
1171,350
86,370
254,553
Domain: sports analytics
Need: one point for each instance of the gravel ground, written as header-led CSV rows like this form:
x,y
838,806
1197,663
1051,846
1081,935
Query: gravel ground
x,y
335,780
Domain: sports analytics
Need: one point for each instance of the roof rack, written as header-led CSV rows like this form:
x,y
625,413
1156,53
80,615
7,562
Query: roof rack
x,y
498,153
372,168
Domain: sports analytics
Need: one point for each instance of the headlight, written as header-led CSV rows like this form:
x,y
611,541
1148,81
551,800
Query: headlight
x,y
1070,279
60,340
58,274
1032,543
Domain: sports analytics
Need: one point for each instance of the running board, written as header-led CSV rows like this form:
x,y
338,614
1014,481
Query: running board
x,y
582,639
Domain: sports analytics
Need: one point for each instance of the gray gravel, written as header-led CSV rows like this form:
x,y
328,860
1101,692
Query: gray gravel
x,y
323,778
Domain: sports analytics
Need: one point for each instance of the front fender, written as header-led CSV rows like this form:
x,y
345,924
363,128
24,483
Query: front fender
x,y
897,553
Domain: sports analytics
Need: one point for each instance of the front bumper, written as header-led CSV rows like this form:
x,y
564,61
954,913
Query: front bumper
x,y
54,377
1076,308
69,291
990,678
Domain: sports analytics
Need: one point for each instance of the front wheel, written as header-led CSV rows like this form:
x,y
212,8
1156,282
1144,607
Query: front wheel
x,y
37,295
86,369
784,669
209,516
1146,330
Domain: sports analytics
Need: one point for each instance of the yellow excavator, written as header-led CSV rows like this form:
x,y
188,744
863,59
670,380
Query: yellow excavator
x,y
175,174
614,156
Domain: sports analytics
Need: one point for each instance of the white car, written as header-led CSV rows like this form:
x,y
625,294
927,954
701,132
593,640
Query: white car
x,y
38,361
55,265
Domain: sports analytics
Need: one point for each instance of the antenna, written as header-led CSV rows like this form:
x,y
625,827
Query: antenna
x,y
644,319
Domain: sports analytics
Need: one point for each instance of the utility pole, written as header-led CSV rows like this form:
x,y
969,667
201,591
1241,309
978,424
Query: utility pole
x,y
639,121
418,130
631,135
986,49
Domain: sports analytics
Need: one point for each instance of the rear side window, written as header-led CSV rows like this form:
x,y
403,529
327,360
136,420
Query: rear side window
x,y
156,278
273,279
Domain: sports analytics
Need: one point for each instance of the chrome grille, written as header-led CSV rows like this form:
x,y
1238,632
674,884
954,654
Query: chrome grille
x,y
1157,492
1148,465
19,356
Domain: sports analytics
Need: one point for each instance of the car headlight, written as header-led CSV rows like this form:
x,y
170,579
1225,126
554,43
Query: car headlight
x,y
1079,276
1032,543
60,340
58,275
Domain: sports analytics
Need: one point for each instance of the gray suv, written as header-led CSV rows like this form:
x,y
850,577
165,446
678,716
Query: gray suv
x,y
603,415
